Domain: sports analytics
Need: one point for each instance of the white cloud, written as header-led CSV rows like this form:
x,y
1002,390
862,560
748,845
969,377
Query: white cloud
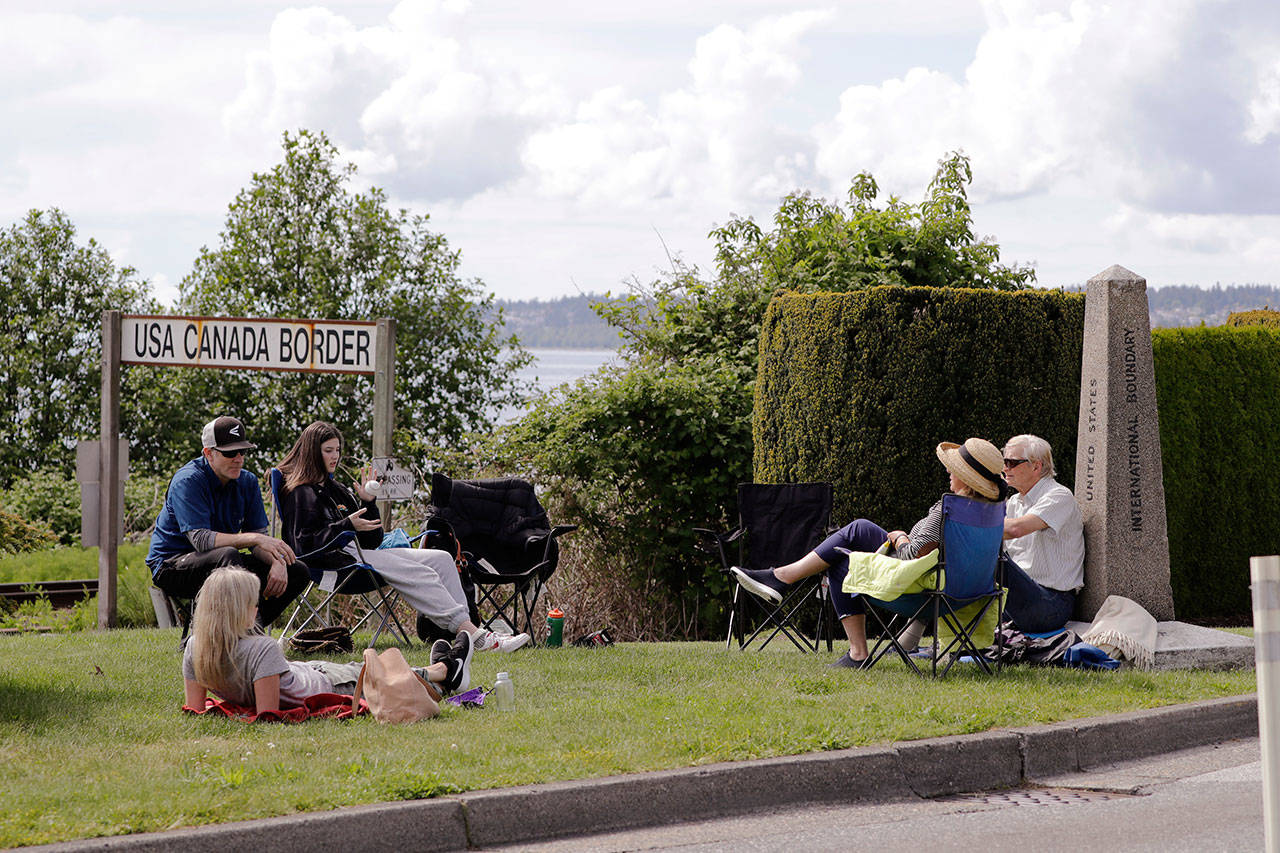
x,y
551,141
411,99
1221,235
1151,102
714,136
106,118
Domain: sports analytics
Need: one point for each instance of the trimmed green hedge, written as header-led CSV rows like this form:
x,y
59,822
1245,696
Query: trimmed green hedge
x,y
1218,390
858,388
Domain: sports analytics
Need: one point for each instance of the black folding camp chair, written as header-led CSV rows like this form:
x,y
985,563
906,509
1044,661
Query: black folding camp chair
x,y
778,523
508,544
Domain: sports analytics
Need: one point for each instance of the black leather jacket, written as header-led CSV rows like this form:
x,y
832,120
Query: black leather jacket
x,y
313,514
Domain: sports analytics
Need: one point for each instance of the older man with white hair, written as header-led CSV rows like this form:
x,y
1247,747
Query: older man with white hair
x,y
1044,533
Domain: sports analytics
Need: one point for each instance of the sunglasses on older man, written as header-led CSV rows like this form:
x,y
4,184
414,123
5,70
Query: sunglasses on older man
x,y
1013,463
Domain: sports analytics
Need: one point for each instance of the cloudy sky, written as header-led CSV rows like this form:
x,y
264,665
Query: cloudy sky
x,y
566,146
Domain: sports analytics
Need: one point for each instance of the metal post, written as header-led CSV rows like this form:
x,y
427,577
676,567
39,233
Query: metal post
x,y
384,389
109,506
1265,575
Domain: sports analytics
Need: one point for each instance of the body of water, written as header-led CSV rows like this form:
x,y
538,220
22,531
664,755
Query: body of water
x,y
552,367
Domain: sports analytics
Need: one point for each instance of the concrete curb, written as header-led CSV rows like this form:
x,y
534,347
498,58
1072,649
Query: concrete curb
x,y
1001,758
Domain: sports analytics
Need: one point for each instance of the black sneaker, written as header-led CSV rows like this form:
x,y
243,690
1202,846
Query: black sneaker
x,y
846,661
440,650
761,582
458,665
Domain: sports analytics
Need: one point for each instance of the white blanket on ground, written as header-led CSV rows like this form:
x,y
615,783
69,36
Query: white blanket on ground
x,y
1123,629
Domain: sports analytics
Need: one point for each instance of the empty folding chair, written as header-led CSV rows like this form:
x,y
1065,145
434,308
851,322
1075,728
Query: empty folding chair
x,y
959,590
778,523
508,544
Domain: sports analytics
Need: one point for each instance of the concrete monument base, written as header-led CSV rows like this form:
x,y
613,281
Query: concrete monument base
x,y
1180,645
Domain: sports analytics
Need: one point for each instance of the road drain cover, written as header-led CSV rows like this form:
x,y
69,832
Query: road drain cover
x,y
1038,797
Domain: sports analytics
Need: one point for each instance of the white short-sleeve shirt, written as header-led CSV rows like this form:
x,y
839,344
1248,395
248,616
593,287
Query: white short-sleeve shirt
x,y
1054,556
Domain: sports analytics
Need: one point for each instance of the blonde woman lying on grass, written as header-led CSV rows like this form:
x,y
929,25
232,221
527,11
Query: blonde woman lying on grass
x,y
225,656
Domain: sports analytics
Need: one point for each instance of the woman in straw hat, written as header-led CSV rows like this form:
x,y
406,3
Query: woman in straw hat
x,y
975,470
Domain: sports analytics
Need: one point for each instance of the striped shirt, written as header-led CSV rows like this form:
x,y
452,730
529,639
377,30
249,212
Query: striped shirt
x,y
1052,557
926,531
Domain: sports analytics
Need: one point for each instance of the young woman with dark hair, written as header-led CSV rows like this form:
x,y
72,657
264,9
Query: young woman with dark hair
x,y
315,507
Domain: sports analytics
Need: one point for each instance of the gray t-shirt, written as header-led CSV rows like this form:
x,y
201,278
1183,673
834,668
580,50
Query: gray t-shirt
x,y
258,656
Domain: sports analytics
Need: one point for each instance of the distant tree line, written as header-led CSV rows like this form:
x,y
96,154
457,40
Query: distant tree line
x,y
1179,305
569,322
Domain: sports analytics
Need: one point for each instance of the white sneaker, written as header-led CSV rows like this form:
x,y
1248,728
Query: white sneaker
x,y
485,640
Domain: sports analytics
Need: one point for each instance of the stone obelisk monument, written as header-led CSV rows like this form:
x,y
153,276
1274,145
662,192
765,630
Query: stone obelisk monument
x,y
1119,479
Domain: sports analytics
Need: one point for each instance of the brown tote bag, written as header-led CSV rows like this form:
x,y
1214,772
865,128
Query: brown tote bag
x,y
395,693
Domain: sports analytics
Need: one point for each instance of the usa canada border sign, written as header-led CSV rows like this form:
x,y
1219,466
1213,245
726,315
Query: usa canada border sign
x,y
318,346
314,346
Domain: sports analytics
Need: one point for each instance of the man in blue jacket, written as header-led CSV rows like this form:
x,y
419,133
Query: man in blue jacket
x,y
212,517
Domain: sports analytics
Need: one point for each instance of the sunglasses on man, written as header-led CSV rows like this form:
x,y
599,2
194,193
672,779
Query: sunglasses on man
x,y
1013,463
231,454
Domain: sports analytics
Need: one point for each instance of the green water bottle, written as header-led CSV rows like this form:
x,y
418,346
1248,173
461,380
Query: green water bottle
x,y
555,624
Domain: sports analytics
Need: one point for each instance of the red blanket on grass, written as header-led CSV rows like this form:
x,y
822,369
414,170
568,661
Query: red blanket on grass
x,y
320,705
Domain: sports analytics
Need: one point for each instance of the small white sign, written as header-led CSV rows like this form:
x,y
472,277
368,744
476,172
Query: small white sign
x,y
322,346
397,482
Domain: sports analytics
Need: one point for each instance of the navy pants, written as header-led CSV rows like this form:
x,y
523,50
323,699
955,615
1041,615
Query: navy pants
x,y
1032,607
859,535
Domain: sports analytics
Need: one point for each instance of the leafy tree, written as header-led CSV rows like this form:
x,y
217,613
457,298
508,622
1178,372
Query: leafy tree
x,y
300,242
640,455
817,244
55,291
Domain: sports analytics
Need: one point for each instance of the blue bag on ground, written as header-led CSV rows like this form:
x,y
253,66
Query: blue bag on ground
x,y
1085,656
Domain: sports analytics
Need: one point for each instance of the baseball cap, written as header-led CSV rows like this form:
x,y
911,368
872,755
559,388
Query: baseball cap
x,y
225,433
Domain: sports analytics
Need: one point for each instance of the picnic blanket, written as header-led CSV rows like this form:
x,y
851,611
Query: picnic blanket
x,y
333,705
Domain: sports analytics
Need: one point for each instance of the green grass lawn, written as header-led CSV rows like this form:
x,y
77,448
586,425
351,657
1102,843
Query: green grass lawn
x,y
92,742
64,563
133,583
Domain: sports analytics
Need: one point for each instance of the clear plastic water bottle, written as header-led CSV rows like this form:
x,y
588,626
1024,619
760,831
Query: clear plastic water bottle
x,y
504,693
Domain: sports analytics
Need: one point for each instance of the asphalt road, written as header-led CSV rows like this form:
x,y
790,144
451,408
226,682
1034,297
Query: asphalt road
x,y
1203,799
